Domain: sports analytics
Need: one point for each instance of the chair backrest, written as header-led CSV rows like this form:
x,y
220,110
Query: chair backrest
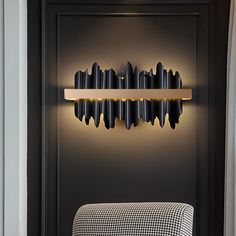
x,y
148,218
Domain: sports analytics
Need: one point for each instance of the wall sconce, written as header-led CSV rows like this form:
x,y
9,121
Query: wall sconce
x,y
131,97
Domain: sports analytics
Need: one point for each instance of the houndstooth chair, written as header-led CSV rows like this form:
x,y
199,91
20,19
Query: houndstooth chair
x,y
162,219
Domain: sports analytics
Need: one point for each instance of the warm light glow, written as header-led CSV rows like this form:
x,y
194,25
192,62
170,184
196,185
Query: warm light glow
x,y
128,94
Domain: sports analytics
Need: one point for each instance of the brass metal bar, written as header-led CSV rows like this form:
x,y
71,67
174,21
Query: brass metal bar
x,y
128,94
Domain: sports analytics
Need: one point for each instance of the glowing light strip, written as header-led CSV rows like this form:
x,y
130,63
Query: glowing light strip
x,y
128,94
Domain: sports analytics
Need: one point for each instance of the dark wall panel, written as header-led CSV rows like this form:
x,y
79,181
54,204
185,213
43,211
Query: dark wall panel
x,y
34,118
142,164
83,164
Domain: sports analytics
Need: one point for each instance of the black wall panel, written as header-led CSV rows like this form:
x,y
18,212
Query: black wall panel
x,y
82,164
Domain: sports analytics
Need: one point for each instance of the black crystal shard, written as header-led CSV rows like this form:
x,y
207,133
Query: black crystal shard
x,y
131,111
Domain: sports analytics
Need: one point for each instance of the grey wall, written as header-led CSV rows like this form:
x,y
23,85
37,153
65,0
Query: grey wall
x,y
83,164
230,152
13,117
1,121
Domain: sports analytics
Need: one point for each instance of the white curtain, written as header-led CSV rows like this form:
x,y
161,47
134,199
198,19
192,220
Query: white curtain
x,y
230,174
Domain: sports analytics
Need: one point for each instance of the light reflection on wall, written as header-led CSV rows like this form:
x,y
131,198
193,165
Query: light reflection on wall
x,y
112,43
140,41
143,137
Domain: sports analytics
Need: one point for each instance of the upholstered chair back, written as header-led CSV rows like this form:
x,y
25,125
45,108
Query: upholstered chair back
x,y
149,218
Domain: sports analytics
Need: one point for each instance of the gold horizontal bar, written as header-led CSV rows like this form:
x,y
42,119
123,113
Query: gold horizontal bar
x,y
128,94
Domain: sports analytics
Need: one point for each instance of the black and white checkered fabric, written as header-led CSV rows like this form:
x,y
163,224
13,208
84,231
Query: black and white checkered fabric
x,y
162,219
